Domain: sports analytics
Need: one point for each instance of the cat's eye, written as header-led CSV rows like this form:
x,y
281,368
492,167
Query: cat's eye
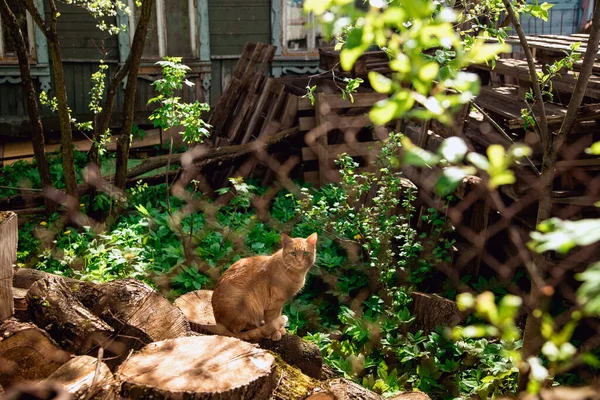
x,y
306,253
293,253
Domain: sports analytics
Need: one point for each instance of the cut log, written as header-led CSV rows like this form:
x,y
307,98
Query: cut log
x,y
8,255
20,302
432,310
137,313
37,391
306,356
53,307
199,367
133,308
85,377
343,389
298,352
197,308
27,353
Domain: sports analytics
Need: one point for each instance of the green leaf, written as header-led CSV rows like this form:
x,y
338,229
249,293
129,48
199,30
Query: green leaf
x,y
482,52
453,149
380,83
428,72
479,161
594,149
450,179
414,155
383,111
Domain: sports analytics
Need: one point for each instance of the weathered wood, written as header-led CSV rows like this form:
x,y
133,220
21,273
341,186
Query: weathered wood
x,y
138,314
411,396
197,307
52,306
133,309
27,353
20,302
85,377
8,254
199,367
432,310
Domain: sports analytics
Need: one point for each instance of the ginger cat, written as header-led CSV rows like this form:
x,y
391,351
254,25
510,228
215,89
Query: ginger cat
x,y
249,297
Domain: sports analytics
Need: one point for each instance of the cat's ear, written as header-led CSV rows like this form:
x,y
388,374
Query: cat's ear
x,y
312,239
286,241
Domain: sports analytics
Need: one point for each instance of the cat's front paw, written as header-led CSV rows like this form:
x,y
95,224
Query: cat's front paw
x,y
279,325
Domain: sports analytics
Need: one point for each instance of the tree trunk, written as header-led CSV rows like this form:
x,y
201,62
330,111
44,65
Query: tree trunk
x,y
60,90
27,353
302,354
52,305
85,378
199,367
137,48
37,131
343,389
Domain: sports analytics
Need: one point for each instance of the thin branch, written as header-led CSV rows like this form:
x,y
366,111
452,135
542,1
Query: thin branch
x,y
539,100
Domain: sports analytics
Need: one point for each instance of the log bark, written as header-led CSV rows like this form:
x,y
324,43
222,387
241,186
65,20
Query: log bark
x,y
27,353
304,355
137,314
8,254
133,309
200,367
53,307
343,389
20,302
85,377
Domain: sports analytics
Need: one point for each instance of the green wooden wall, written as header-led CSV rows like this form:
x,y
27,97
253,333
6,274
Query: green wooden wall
x,y
233,22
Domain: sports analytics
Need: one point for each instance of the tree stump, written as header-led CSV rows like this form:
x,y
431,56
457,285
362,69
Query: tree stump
x,y
411,396
8,255
53,307
199,367
85,377
343,389
27,353
197,308
432,310
306,356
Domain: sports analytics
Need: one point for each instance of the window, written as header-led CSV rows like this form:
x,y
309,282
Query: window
x,y
301,34
173,29
7,45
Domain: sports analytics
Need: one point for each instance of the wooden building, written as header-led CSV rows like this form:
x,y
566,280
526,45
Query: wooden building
x,y
209,34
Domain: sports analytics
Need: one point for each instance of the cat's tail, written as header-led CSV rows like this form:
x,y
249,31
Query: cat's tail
x,y
271,330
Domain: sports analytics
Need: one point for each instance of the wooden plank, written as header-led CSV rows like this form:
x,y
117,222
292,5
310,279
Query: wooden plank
x,y
304,104
8,255
257,114
247,13
335,101
290,110
307,123
355,150
588,163
321,141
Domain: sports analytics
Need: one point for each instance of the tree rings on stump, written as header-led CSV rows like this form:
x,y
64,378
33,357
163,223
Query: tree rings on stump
x,y
27,353
197,308
199,367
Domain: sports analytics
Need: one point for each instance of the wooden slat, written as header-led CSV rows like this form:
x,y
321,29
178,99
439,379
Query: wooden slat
x,y
335,101
354,150
307,123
